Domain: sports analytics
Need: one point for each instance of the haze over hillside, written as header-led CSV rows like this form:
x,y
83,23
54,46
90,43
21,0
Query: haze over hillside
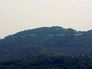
x,y
17,15
45,34
54,40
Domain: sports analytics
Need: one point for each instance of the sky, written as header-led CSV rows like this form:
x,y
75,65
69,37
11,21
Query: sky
x,y
18,15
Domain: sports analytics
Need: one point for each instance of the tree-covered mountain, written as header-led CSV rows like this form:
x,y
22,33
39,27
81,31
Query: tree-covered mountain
x,y
46,41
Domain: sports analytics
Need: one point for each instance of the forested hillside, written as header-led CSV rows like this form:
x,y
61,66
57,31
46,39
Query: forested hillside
x,y
46,41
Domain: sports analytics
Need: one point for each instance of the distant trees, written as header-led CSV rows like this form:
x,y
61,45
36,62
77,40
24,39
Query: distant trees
x,y
46,40
47,62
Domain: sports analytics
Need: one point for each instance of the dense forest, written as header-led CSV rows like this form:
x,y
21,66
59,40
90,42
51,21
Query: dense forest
x,y
50,41
50,62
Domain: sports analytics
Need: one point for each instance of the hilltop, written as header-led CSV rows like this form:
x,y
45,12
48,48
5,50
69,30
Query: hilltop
x,y
53,40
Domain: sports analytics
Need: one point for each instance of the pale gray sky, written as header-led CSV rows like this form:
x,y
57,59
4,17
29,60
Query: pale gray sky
x,y
17,15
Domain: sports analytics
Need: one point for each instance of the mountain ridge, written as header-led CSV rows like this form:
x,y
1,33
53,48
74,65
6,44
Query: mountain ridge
x,y
46,41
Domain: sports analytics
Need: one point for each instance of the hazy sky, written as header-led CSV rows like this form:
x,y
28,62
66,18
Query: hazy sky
x,y
17,15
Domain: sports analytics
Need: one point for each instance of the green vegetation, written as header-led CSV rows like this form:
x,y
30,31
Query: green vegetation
x,y
50,41
47,62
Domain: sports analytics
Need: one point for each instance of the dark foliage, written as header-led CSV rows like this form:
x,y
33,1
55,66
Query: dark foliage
x,y
47,62
46,41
